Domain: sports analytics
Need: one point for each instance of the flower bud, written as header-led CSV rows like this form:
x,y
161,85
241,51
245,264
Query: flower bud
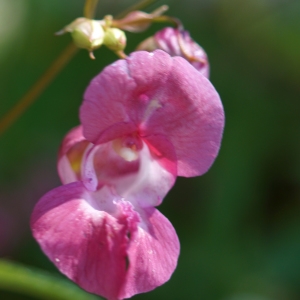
x,y
138,21
115,39
150,44
87,34
178,42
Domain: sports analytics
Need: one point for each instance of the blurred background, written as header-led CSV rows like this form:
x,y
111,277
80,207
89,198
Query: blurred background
x,y
239,224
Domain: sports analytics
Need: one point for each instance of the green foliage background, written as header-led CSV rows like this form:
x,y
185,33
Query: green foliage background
x,y
239,225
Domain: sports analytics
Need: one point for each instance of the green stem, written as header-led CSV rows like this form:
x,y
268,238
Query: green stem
x,y
38,284
89,10
21,106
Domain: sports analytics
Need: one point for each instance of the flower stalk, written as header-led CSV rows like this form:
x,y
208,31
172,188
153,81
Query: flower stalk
x,y
37,88
89,10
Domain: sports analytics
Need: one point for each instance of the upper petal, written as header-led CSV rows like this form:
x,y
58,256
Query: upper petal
x,y
104,244
191,117
120,94
155,94
104,110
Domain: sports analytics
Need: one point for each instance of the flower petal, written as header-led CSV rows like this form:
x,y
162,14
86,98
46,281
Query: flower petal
x,y
152,254
70,155
179,43
157,95
117,103
191,118
104,108
150,184
138,21
144,182
102,243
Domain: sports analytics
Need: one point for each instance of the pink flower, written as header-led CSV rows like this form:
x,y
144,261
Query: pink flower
x,y
177,42
145,120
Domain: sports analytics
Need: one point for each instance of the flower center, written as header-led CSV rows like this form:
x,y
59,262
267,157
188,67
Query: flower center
x,y
128,147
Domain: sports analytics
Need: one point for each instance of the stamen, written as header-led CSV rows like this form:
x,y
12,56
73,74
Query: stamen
x,y
126,149
128,154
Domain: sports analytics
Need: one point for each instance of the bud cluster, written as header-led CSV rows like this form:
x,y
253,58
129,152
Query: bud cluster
x,y
92,34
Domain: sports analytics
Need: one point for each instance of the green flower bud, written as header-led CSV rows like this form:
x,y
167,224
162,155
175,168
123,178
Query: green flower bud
x,y
86,33
115,39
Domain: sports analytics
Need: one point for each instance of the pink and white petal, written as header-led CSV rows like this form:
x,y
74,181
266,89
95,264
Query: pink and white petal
x,y
105,101
116,96
174,100
150,71
101,165
150,184
115,131
70,155
163,152
152,254
144,181
88,172
191,117
158,95
87,245
111,253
